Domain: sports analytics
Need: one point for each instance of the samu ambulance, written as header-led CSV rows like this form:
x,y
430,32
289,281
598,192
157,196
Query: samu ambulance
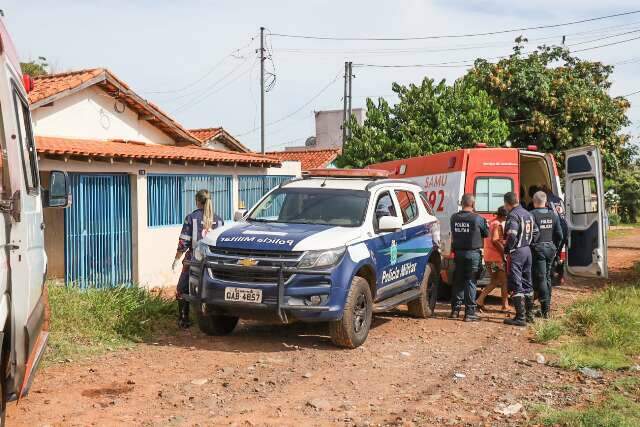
x,y
335,246
489,173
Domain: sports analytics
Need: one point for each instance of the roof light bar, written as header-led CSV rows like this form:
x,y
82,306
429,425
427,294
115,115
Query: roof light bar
x,y
349,173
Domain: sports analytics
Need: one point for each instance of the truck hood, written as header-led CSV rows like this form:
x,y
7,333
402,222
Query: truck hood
x,y
281,237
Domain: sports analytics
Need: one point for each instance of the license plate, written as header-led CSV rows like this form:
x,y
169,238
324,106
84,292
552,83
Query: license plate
x,y
243,295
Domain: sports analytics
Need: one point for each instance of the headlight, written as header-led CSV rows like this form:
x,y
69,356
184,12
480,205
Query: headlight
x,y
326,258
199,252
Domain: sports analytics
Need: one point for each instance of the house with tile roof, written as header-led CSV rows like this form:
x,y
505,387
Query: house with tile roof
x,y
309,159
134,172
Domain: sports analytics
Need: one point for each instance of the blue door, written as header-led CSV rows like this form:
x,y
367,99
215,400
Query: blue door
x,y
98,231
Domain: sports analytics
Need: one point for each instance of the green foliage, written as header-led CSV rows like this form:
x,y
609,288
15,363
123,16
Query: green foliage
x,y
626,188
429,118
92,321
550,330
603,331
614,219
557,101
620,408
36,67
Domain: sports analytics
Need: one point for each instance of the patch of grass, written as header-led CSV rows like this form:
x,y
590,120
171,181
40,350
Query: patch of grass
x,y
620,408
550,330
92,321
602,331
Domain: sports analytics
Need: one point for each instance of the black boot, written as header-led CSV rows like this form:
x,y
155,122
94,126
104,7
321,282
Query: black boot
x,y
455,313
528,308
520,318
544,309
184,321
470,315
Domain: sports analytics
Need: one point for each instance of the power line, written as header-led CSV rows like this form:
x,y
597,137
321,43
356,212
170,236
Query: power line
x,y
395,51
445,36
469,62
232,54
296,111
628,94
192,103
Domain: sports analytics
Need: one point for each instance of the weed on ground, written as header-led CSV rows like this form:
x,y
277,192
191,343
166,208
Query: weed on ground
x,y
620,407
601,331
91,321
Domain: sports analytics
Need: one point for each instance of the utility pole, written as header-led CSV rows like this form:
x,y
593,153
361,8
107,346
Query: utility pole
x,y
262,90
350,97
344,104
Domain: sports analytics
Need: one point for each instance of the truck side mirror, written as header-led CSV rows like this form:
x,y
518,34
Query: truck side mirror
x,y
239,215
58,194
389,223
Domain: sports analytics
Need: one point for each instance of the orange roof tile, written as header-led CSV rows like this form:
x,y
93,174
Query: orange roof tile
x,y
46,87
206,134
53,84
141,150
220,135
309,159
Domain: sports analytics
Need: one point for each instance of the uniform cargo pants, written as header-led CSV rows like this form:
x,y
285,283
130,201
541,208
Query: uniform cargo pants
x,y
519,271
464,279
543,255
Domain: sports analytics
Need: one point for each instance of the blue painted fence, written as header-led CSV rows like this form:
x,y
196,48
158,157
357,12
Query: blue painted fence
x,y
171,197
98,231
251,188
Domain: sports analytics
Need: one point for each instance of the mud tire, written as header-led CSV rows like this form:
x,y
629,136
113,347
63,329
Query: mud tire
x,y
423,306
216,325
352,330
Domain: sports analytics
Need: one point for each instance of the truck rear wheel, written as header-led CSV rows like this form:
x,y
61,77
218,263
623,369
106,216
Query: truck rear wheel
x,y
352,330
423,306
216,325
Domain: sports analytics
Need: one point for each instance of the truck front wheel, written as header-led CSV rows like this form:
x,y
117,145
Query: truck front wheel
x,y
423,306
352,330
215,325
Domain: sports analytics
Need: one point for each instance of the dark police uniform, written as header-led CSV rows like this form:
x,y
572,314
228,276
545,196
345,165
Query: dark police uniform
x,y
192,231
520,231
468,230
544,251
557,269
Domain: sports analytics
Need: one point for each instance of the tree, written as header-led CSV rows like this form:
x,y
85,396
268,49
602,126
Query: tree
x,y
626,193
36,67
556,101
428,118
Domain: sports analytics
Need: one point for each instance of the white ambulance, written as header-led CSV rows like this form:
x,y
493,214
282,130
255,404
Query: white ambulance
x,y
23,262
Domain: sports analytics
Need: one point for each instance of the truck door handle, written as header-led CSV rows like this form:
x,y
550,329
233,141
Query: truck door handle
x,y
11,246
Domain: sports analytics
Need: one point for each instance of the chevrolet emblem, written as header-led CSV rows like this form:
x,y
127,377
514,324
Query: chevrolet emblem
x,y
247,262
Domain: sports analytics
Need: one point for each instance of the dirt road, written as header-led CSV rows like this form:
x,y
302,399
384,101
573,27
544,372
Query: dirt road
x,y
425,372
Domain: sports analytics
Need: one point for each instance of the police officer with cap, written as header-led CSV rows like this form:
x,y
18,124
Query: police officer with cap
x,y
544,249
520,231
468,231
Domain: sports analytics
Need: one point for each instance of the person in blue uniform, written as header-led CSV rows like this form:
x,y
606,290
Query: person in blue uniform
x,y
196,225
520,231
556,204
544,249
468,231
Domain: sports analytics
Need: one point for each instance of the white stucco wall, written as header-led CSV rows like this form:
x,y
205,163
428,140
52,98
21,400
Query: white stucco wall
x,y
217,146
153,248
288,168
90,114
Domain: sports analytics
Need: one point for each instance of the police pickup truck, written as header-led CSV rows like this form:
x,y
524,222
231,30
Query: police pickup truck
x,y
335,246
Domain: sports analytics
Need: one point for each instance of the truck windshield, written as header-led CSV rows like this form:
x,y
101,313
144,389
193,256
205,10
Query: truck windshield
x,y
345,208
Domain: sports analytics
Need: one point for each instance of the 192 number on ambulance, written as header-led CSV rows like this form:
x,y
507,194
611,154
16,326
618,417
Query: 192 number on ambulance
x,y
436,197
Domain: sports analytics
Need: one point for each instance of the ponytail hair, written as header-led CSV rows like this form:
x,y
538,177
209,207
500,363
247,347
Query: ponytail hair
x,y
203,198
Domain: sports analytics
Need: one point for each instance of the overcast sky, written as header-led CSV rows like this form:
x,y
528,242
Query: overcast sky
x,y
179,54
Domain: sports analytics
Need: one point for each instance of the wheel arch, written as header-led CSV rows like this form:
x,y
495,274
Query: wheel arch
x,y
368,273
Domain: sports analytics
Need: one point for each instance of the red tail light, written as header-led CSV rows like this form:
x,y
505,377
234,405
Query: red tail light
x,y
532,147
27,81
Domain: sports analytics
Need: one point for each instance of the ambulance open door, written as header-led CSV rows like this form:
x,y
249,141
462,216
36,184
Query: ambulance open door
x,y
585,213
